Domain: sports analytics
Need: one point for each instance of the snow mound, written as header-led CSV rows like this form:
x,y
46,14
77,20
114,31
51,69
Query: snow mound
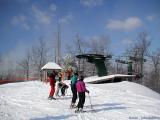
x,y
132,88
139,89
105,78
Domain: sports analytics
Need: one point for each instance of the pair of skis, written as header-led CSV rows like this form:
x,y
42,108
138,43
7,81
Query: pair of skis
x,y
83,111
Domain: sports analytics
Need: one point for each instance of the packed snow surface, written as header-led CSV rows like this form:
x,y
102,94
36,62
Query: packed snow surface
x,y
112,101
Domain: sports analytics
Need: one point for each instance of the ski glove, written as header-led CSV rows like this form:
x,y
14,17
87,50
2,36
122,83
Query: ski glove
x,y
87,91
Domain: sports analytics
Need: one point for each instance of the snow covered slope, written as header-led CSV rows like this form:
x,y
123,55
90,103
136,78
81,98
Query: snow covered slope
x,y
114,101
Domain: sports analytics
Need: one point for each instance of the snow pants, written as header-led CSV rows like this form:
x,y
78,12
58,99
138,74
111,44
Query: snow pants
x,y
74,92
52,91
81,99
63,89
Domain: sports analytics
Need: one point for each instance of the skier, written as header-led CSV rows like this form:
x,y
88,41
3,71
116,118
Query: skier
x,y
81,88
52,81
73,89
61,86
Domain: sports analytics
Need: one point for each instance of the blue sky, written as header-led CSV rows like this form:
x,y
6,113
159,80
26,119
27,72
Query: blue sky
x,y
23,22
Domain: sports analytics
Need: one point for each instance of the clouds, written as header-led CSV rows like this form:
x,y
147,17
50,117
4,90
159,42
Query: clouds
x,y
41,16
151,18
67,18
38,17
128,24
127,41
35,17
20,20
52,7
91,3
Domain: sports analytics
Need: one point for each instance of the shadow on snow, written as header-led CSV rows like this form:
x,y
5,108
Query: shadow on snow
x,y
107,106
61,117
96,107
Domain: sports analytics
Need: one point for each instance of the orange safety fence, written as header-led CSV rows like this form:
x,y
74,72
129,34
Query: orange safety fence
x,y
17,80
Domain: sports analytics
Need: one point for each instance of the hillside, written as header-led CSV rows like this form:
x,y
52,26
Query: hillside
x,y
113,101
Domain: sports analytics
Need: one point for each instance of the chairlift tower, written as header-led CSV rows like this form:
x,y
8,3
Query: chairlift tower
x,y
129,63
131,60
58,46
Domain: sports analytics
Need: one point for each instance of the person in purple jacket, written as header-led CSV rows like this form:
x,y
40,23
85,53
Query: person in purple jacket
x,y
81,89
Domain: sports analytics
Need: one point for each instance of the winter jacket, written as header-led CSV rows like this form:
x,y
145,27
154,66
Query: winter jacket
x,y
52,81
74,79
81,86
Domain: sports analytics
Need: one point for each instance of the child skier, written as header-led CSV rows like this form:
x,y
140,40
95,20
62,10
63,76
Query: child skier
x,y
61,86
81,88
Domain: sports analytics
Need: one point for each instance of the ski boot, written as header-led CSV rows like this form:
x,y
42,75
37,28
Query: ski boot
x,y
72,105
79,110
51,98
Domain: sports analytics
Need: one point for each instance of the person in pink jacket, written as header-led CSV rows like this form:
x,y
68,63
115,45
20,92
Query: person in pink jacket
x,y
81,89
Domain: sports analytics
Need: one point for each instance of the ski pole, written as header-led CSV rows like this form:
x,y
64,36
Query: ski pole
x,y
92,109
90,101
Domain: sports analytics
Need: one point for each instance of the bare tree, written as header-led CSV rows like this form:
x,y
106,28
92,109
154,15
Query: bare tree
x,y
138,52
39,55
79,48
25,64
100,45
155,57
143,47
69,59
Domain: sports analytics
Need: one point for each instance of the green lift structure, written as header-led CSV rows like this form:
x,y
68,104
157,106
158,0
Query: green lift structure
x,y
98,60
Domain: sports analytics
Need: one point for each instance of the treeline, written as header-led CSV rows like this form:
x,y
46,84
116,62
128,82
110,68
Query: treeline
x,y
25,68
145,61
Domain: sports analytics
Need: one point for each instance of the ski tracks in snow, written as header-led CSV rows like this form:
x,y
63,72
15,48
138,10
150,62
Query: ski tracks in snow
x,y
79,116
118,103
